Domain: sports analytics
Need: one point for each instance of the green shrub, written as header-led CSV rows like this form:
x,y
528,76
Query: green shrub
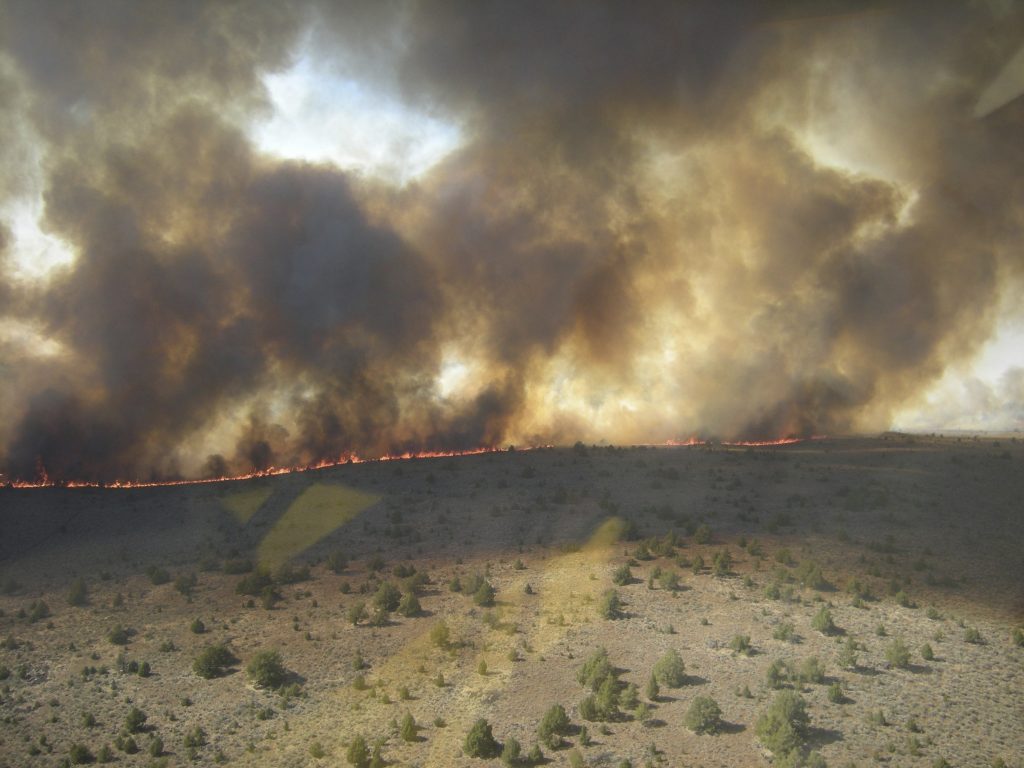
x,y
157,575
212,661
553,725
927,653
721,564
812,671
972,635
254,583
358,755
511,753
387,598
186,583
78,595
784,631
480,741
267,670
156,747
703,716
197,627
785,725
822,621
835,693
898,654
669,581
1018,636
622,576
357,613
697,564
409,606
595,670
337,561
440,635
79,754
609,606
135,720
118,635
702,535
653,689
777,674
408,728
195,738
669,670
741,644
848,654
484,594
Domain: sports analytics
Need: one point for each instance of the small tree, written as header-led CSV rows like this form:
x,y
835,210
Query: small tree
x,y
670,670
357,613
440,635
812,671
776,675
703,716
387,597
511,752
79,754
135,720
609,606
267,670
410,605
78,595
408,728
212,661
823,622
785,725
653,689
480,741
358,754
848,654
898,654
553,725
484,595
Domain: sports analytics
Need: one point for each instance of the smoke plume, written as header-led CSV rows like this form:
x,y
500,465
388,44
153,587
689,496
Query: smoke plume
x,y
662,220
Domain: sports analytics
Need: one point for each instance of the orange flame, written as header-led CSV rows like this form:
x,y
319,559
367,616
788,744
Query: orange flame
x,y
43,480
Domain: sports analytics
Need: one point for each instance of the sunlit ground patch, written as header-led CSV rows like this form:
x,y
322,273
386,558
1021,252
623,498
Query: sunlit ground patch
x,y
244,504
320,509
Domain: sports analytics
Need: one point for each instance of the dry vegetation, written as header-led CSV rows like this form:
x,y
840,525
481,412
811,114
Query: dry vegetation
x,y
878,581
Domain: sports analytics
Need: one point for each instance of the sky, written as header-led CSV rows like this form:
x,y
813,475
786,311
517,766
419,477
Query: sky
x,y
234,238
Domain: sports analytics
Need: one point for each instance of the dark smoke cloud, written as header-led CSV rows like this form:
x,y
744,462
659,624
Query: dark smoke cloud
x,y
634,241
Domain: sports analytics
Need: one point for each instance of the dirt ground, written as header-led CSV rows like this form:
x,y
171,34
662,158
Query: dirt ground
x,y
931,529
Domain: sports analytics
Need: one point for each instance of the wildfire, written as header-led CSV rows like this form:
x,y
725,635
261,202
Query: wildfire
x,y
43,480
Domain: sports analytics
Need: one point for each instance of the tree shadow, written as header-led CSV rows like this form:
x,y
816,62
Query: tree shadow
x,y
696,680
919,669
866,671
730,728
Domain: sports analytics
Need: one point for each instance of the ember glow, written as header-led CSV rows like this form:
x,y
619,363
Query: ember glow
x,y
237,239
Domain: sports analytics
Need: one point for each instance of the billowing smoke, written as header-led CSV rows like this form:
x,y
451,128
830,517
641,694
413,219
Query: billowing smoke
x,y
663,220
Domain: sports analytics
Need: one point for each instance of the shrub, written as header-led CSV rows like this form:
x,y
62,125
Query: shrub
x,y
702,535
79,754
440,635
822,621
358,755
835,693
484,594
741,644
266,669
337,561
480,741
927,653
158,575
410,606
197,627
213,661
697,564
511,752
622,576
595,670
135,720
809,575
553,725
1018,636
784,631
609,606
669,670
118,635
254,583
703,716
357,613
387,598
812,671
652,690
972,635
777,674
408,728
535,756
185,584
785,725
156,746
195,738
721,565
78,595
848,654
898,654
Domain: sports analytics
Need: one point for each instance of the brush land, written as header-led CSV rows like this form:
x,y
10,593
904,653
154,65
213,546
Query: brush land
x,y
876,580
